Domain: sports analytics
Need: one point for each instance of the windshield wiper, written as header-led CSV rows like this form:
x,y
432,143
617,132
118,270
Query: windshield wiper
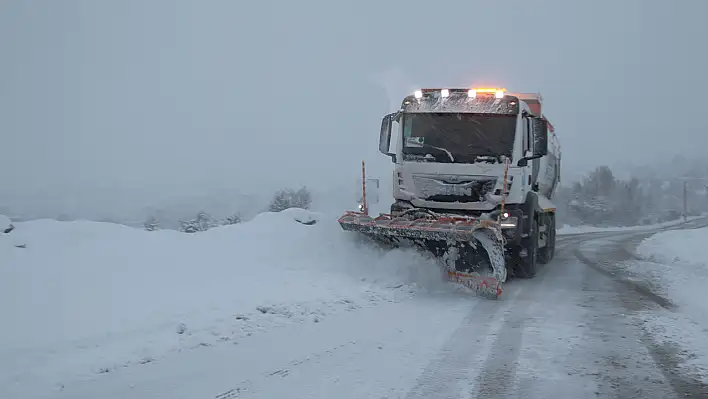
x,y
490,156
487,158
449,154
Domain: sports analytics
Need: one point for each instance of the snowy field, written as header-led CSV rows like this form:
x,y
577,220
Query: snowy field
x,y
85,298
677,262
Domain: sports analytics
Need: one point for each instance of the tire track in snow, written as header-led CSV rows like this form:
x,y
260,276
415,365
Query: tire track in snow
x,y
476,343
531,330
667,356
624,368
553,360
603,267
499,373
662,358
579,344
448,375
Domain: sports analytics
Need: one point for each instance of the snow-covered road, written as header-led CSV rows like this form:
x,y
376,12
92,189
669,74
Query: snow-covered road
x,y
570,332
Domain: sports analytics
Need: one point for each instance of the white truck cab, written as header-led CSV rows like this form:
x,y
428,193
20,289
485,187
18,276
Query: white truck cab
x,y
455,149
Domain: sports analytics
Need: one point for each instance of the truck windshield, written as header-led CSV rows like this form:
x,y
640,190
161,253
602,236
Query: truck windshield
x,y
457,137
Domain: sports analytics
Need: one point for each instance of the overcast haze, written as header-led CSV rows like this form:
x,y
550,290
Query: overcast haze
x,y
108,102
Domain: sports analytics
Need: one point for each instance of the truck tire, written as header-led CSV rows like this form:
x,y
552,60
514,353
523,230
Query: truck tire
x,y
547,253
526,266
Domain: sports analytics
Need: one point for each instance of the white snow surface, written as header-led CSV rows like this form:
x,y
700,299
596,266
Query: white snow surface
x,y
677,262
86,298
678,247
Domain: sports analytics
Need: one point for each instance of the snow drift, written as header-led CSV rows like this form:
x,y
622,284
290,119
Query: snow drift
x,y
679,247
85,298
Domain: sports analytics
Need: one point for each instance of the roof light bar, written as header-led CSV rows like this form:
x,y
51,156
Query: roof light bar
x,y
472,93
498,93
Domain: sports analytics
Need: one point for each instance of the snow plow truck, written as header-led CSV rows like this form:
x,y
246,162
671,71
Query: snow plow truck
x,y
474,174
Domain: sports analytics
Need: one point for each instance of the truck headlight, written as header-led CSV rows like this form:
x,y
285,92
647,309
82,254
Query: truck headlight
x,y
509,222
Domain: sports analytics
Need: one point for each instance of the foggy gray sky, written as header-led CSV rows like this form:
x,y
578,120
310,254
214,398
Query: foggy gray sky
x,y
152,98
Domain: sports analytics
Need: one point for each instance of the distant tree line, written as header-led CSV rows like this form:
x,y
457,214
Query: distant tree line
x,y
598,199
283,199
601,199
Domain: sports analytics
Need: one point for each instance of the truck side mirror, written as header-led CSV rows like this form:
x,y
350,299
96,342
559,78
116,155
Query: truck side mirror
x,y
385,136
540,142
540,137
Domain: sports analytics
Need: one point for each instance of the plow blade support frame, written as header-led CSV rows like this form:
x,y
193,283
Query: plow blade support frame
x,y
453,230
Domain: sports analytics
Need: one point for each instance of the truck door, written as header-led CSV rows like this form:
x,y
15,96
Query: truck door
x,y
536,163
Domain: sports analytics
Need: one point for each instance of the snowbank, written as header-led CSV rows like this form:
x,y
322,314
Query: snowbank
x,y
677,261
677,246
85,298
592,229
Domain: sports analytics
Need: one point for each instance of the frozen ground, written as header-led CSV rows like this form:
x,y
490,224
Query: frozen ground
x,y
277,308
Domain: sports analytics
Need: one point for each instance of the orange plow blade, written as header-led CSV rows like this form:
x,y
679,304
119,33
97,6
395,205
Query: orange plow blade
x,y
472,249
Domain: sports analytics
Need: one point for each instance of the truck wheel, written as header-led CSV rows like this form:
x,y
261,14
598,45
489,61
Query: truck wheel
x,y
526,267
546,253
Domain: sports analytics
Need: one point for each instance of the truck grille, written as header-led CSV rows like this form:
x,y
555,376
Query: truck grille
x,y
441,188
